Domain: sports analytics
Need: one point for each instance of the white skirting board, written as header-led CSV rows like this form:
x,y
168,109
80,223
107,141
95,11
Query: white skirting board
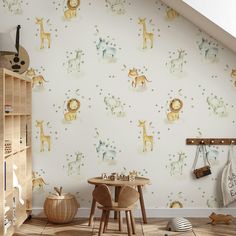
x,y
155,213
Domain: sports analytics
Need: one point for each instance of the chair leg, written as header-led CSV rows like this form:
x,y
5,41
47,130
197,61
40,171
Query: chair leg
x,y
132,222
120,221
128,223
102,222
106,221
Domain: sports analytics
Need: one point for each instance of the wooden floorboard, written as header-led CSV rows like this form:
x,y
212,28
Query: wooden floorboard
x,y
155,227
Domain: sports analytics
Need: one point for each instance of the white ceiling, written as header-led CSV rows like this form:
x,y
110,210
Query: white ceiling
x,y
221,12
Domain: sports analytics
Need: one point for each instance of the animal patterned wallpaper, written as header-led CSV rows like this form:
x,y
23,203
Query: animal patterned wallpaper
x,y
119,85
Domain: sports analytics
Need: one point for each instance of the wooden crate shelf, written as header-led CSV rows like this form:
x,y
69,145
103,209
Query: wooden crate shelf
x,y
15,149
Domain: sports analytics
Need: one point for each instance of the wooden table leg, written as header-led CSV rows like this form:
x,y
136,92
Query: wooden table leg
x,y
142,204
117,192
93,206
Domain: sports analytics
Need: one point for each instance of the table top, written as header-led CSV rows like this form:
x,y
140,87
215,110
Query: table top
x,y
139,181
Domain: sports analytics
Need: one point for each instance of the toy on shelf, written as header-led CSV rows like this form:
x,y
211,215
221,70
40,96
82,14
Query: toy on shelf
x,y
116,176
17,185
8,108
8,147
216,218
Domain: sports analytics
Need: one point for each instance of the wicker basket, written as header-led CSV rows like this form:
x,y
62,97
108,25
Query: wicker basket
x,y
60,208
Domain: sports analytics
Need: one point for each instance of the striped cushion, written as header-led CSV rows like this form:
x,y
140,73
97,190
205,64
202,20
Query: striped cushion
x,y
179,224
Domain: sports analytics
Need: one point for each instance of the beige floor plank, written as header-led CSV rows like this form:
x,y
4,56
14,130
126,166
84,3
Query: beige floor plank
x,y
155,227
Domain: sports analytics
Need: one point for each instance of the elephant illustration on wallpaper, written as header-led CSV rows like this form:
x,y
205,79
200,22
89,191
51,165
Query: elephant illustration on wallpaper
x,y
217,105
147,36
137,80
72,7
37,80
43,138
147,139
114,106
175,106
73,106
116,6
42,34
13,6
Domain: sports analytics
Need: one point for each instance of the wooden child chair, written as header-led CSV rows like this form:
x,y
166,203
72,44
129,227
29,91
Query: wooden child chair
x,y
126,199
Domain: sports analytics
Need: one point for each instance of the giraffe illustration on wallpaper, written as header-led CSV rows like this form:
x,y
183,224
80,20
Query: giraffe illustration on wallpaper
x,y
137,80
37,80
175,106
176,167
73,64
73,106
43,35
146,138
146,35
176,64
43,138
71,11
74,167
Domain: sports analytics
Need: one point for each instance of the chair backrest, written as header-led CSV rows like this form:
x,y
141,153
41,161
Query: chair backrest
x,y
102,195
127,197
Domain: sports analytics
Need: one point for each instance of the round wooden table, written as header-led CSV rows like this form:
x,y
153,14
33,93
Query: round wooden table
x,y
139,182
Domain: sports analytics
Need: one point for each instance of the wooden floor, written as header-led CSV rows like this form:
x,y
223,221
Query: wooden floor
x,y
155,227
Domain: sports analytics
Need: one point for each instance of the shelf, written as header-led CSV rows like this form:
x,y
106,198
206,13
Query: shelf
x,y
17,114
15,152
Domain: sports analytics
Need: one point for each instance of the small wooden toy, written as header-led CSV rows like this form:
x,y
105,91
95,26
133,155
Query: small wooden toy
x,y
216,218
8,148
104,176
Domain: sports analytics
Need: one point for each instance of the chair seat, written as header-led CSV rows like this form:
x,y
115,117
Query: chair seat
x,y
115,207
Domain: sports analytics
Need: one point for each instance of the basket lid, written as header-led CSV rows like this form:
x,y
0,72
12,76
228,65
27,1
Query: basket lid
x,y
62,197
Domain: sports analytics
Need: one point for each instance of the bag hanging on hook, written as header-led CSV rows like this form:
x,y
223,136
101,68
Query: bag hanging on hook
x,y
206,169
228,179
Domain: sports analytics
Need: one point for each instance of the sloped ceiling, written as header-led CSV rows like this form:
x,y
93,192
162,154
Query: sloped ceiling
x,y
205,20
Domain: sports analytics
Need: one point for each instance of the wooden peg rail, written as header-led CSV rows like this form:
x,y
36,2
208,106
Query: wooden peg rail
x,y
211,141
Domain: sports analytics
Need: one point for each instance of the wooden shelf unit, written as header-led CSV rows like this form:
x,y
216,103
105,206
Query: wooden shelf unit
x,y
15,150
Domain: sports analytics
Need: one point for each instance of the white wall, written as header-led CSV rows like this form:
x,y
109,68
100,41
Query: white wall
x,y
111,107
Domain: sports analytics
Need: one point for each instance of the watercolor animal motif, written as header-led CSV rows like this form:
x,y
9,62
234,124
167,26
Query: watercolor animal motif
x,y
138,80
176,204
43,138
114,105
146,35
14,6
171,14
216,218
75,166
175,106
116,6
233,73
105,152
74,63
36,79
37,182
72,106
72,6
208,50
176,167
43,35
176,64
217,105
17,185
107,52
146,138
